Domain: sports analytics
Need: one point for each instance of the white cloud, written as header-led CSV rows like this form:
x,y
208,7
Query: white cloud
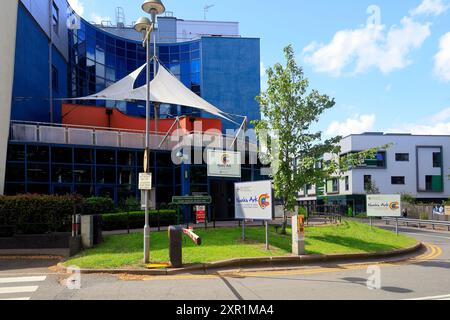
x,y
371,46
354,125
442,59
431,7
437,124
99,19
77,6
443,115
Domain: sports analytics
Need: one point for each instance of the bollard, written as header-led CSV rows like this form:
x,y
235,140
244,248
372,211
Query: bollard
x,y
175,246
298,235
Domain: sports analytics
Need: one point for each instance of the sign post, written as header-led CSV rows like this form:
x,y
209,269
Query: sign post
x,y
145,184
253,201
384,206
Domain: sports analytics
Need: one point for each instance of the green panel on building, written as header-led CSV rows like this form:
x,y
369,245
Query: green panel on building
x,y
436,183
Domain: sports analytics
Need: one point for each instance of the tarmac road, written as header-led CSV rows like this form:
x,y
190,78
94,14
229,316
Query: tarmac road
x,y
423,277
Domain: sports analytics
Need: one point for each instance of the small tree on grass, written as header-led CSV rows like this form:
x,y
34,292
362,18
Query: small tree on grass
x,y
289,111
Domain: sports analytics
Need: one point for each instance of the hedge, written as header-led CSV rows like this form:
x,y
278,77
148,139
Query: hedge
x,y
136,220
37,214
97,205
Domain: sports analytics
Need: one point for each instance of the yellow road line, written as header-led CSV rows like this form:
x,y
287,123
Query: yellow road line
x,y
432,252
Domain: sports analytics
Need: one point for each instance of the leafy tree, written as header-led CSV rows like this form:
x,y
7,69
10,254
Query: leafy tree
x,y
372,188
295,150
407,198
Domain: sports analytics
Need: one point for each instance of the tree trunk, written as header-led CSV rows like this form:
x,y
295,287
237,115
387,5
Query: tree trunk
x,y
285,222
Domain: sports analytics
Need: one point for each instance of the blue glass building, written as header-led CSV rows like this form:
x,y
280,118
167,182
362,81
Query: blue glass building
x,y
224,71
52,63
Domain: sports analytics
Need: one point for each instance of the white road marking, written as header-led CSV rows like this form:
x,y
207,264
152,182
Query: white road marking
x,y
16,299
22,279
444,297
18,289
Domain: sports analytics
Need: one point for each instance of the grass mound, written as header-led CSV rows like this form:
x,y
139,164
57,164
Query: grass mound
x,y
126,251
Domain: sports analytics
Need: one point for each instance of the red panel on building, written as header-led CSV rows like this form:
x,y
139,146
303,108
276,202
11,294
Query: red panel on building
x,y
92,116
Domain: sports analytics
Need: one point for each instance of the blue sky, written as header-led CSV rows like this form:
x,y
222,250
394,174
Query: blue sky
x,y
387,63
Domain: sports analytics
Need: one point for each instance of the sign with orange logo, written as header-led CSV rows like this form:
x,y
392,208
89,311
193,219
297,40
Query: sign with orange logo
x,y
379,205
253,200
224,164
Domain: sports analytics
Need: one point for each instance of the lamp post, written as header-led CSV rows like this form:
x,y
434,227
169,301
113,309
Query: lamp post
x,y
146,27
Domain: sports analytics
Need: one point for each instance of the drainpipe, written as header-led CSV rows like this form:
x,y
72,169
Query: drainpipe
x,y
50,58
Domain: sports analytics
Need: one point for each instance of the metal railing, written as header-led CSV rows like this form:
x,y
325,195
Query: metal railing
x,y
419,223
37,132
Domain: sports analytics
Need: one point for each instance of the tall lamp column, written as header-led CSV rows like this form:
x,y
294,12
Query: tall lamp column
x,y
145,26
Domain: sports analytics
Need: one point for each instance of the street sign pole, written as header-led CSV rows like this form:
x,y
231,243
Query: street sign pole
x,y
145,184
243,230
396,226
267,236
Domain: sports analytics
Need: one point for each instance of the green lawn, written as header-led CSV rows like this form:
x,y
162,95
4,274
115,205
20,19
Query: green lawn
x,y
221,244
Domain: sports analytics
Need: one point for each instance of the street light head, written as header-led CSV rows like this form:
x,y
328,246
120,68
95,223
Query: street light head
x,y
153,7
142,24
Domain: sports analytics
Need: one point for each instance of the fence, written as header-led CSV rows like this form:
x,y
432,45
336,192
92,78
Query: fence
x,y
424,212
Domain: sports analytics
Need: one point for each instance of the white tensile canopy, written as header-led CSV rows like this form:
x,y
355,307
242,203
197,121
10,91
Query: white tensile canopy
x,y
164,88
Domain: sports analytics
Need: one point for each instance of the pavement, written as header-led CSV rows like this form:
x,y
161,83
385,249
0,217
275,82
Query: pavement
x,y
424,277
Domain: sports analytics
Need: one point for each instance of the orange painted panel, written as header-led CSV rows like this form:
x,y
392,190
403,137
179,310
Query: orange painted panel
x,y
93,116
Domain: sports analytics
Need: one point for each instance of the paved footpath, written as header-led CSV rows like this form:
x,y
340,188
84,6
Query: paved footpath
x,y
424,277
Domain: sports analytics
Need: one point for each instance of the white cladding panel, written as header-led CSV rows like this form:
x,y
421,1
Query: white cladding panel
x,y
8,23
422,164
40,10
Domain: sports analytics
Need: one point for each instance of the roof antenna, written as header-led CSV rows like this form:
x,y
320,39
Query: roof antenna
x,y
206,9
120,17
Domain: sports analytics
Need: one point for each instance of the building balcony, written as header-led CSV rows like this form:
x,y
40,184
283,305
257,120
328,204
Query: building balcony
x,y
46,133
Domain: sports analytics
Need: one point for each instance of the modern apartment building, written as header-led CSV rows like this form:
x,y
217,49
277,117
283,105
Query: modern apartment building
x,y
412,164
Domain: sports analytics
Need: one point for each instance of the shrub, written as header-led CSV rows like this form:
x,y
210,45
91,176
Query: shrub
x,y
407,198
37,214
97,205
303,212
136,220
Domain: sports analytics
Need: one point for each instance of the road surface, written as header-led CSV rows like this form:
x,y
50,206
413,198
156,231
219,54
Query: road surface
x,y
424,277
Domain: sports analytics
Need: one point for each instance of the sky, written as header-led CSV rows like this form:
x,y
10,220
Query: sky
x,y
386,63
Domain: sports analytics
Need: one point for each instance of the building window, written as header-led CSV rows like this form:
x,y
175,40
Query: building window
x,y
347,183
437,160
55,18
333,185
55,79
367,182
402,157
378,161
398,180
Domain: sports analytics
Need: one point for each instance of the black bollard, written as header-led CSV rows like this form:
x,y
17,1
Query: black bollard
x,y
176,246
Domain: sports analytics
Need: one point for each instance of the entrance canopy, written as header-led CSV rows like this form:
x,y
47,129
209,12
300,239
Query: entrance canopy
x,y
165,88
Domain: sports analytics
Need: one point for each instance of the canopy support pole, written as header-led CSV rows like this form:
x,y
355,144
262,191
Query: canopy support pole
x,y
176,122
242,128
